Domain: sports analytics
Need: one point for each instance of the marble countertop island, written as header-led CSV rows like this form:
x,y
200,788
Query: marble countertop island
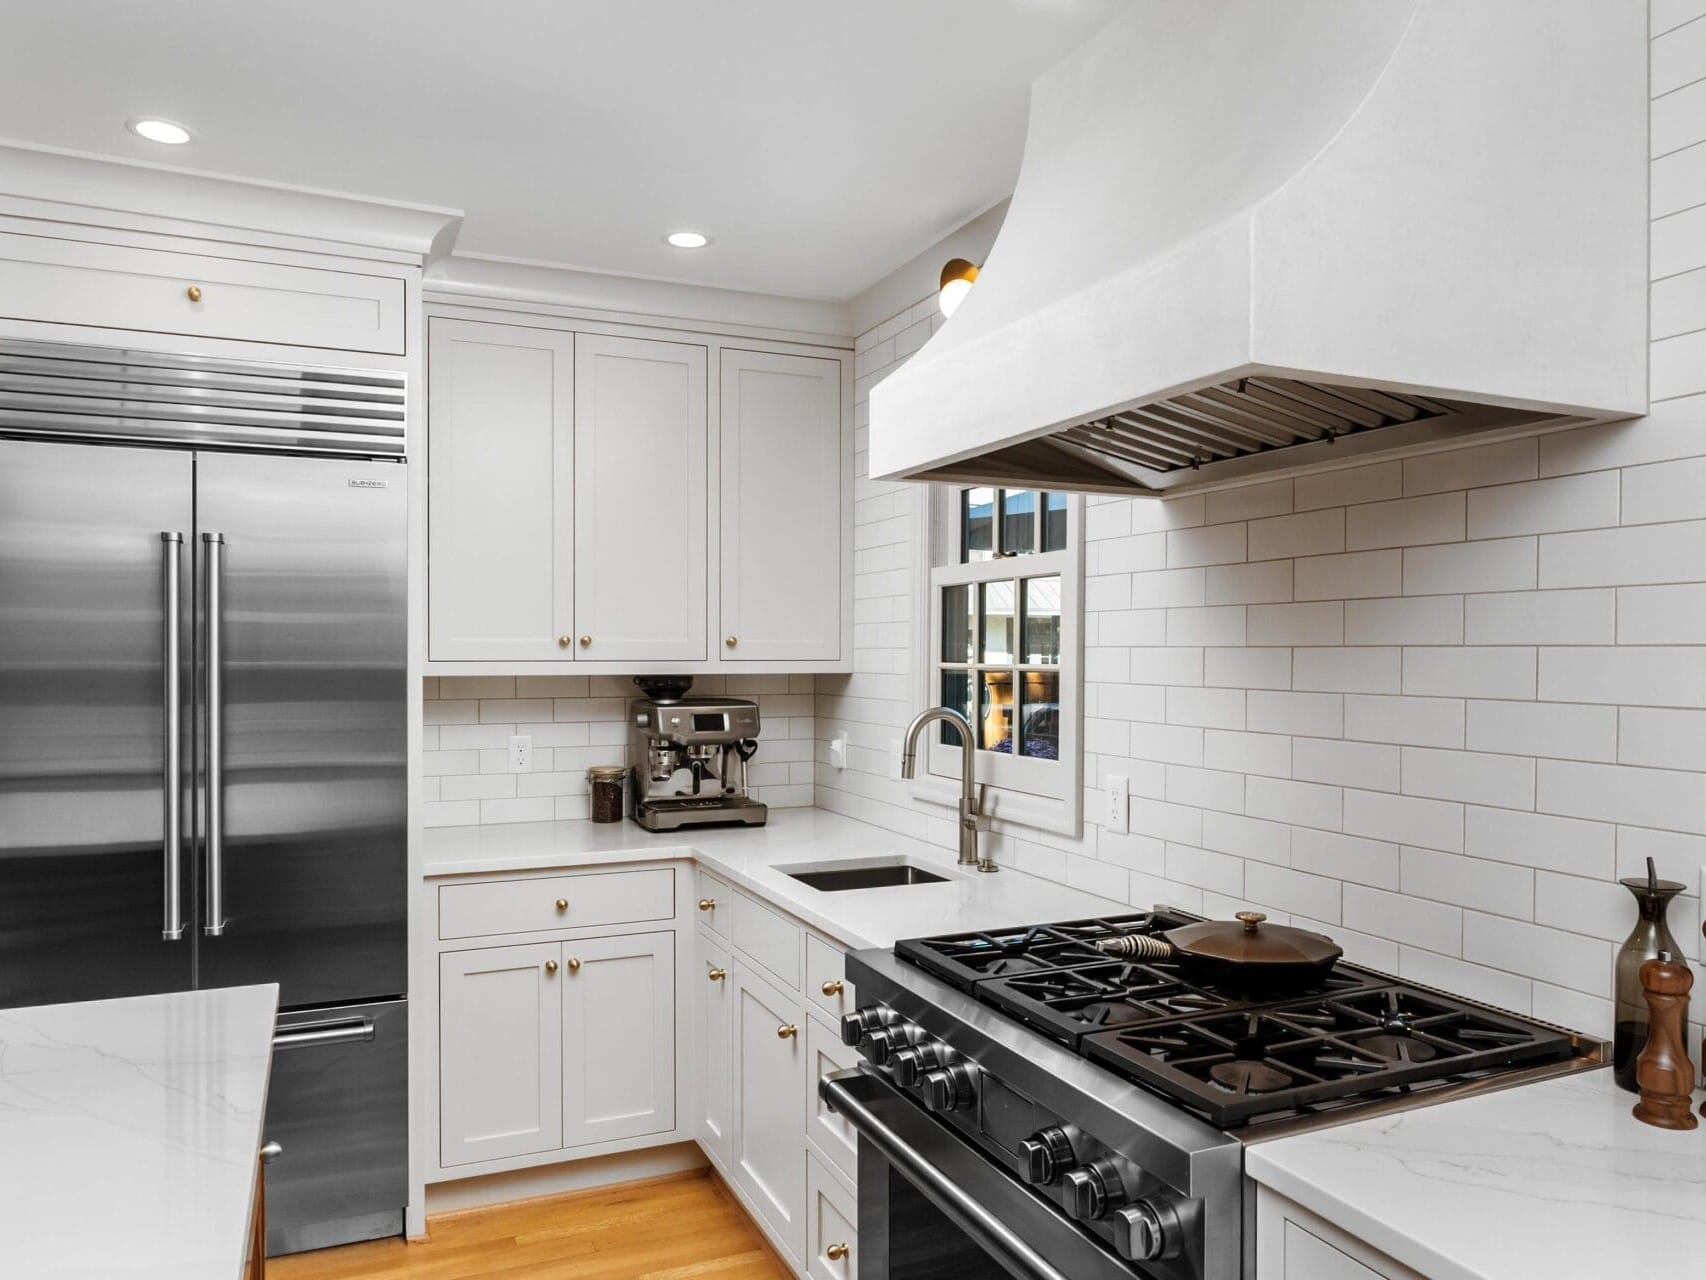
x,y
751,856
1547,1179
129,1134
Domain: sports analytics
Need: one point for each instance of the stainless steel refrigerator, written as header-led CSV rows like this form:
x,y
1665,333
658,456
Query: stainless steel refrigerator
x,y
203,639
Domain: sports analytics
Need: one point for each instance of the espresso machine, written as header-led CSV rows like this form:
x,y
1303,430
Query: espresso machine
x,y
693,758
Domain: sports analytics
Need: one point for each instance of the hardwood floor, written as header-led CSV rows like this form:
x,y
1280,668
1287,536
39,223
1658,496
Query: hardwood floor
x,y
681,1227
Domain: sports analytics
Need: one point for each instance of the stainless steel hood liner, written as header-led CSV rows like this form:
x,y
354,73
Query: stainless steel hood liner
x,y
1259,235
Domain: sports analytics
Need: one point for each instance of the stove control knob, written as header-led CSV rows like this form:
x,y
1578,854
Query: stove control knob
x,y
1094,1190
951,1089
856,1025
910,1065
1044,1154
1146,1230
881,1045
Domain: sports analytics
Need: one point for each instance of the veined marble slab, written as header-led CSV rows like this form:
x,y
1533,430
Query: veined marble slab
x,y
1548,1179
129,1134
750,856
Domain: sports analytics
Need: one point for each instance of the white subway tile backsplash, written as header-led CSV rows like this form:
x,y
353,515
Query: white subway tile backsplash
x,y
1303,804
1405,620
1468,468
1586,501
1478,982
1346,670
1247,668
1348,486
1664,737
1663,15
1167,588
1405,820
1566,959
1352,858
1566,730
1641,797
1317,714
1248,502
1254,838
1217,872
1630,556
1421,722
1266,582
1662,615
1345,764
1264,753
1540,840
1417,921
1205,788
1474,777
1499,887
1210,544
1506,564
1541,617
1219,625
1651,675
1209,708
1309,533
1470,672
1173,823
1405,522
1317,897
1289,624
1349,576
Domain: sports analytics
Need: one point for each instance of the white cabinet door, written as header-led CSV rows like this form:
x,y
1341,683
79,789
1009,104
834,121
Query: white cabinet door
x,y
783,460
640,486
500,1053
500,489
712,993
769,1124
832,1225
618,1037
830,1134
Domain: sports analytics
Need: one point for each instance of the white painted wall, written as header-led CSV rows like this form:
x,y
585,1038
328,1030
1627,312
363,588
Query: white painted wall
x,y
1433,707
577,722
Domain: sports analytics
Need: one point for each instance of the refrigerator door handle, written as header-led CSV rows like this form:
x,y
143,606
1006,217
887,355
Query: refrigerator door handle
x,y
213,548
343,1031
171,780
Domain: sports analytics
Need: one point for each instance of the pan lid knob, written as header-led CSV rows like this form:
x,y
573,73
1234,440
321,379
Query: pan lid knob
x,y
1250,919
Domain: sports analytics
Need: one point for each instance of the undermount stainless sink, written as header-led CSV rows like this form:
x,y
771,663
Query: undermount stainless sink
x,y
860,873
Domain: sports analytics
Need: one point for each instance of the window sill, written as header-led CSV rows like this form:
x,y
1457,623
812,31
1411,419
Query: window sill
x,y
1042,812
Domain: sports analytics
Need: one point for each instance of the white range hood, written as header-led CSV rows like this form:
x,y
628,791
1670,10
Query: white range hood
x,y
1251,236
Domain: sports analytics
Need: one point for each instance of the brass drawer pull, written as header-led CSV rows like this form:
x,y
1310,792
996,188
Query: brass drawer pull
x,y
193,293
574,965
564,641
550,966
787,1031
731,641
832,987
716,975
586,642
562,904
836,1252
707,904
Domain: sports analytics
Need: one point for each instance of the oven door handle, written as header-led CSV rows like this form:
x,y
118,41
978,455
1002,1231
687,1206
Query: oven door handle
x,y
857,1096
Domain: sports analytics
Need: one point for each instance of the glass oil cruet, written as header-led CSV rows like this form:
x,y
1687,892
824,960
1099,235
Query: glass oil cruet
x,y
1650,939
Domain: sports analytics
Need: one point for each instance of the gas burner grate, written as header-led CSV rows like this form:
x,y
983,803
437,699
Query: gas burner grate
x,y
1284,1058
969,959
1069,1003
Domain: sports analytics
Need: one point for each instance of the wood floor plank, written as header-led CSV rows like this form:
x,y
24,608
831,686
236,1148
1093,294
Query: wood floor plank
x,y
682,1227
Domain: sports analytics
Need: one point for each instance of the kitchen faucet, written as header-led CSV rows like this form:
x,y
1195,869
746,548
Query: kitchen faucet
x,y
972,819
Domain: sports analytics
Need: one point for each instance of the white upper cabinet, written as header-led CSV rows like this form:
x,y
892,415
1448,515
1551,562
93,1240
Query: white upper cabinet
x,y
782,509
500,490
640,482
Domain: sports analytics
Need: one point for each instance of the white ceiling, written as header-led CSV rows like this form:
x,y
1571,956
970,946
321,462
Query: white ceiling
x,y
820,142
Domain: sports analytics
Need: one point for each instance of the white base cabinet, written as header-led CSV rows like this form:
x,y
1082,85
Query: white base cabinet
x,y
1294,1244
769,1069
619,1037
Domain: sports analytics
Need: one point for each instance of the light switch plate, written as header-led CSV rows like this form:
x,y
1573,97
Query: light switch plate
x,y
1117,795
520,753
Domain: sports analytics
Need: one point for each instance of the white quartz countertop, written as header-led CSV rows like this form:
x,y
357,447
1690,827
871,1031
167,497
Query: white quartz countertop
x,y
750,856
1548,1179
129,1134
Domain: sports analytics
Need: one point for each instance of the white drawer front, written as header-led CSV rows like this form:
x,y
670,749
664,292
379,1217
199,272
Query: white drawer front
x,y
769,938
826,981
555,902
1309,1257
830,1134
832,1226
123,287
716,902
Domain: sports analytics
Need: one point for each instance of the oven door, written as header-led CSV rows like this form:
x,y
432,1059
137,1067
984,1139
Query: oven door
x,y
933,1205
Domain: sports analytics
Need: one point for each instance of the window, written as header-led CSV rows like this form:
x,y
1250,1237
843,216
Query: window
x,y
1004,649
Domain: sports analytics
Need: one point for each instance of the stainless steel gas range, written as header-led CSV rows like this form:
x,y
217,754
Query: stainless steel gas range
x,y
1031,1107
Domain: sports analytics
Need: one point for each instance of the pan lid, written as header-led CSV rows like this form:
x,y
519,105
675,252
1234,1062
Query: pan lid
x,y
1248,939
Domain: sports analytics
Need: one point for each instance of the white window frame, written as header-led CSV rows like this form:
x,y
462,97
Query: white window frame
x,y
1046,794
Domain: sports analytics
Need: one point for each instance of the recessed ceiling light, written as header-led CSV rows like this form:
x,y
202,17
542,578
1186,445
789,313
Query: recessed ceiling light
x,y
688,239
157,130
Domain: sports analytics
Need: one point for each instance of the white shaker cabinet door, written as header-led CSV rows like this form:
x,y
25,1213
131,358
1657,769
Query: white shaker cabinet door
x,y
784,459
500,491
712,993
500,1053
618,1037
769,1122
640,500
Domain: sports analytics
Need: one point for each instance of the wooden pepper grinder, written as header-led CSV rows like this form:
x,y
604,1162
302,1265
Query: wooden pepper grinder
x,y
1663,1072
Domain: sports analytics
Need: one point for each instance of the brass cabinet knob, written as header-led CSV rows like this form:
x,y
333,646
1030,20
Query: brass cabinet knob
x,y
716,975
787,1031
707,904
832,987
550,966
565,641
836,1252
562,904
574,965
193,293
586,642
731,641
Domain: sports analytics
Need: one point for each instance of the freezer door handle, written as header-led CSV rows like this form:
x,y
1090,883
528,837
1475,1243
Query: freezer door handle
x,y
171,771
319,1034
213,549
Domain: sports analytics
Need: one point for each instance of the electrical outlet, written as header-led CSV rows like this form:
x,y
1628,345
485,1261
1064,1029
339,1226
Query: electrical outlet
x,y
520,753
1118,798
838,751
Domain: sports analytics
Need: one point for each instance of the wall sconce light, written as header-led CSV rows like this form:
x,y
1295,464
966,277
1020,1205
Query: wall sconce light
x,y
957,279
